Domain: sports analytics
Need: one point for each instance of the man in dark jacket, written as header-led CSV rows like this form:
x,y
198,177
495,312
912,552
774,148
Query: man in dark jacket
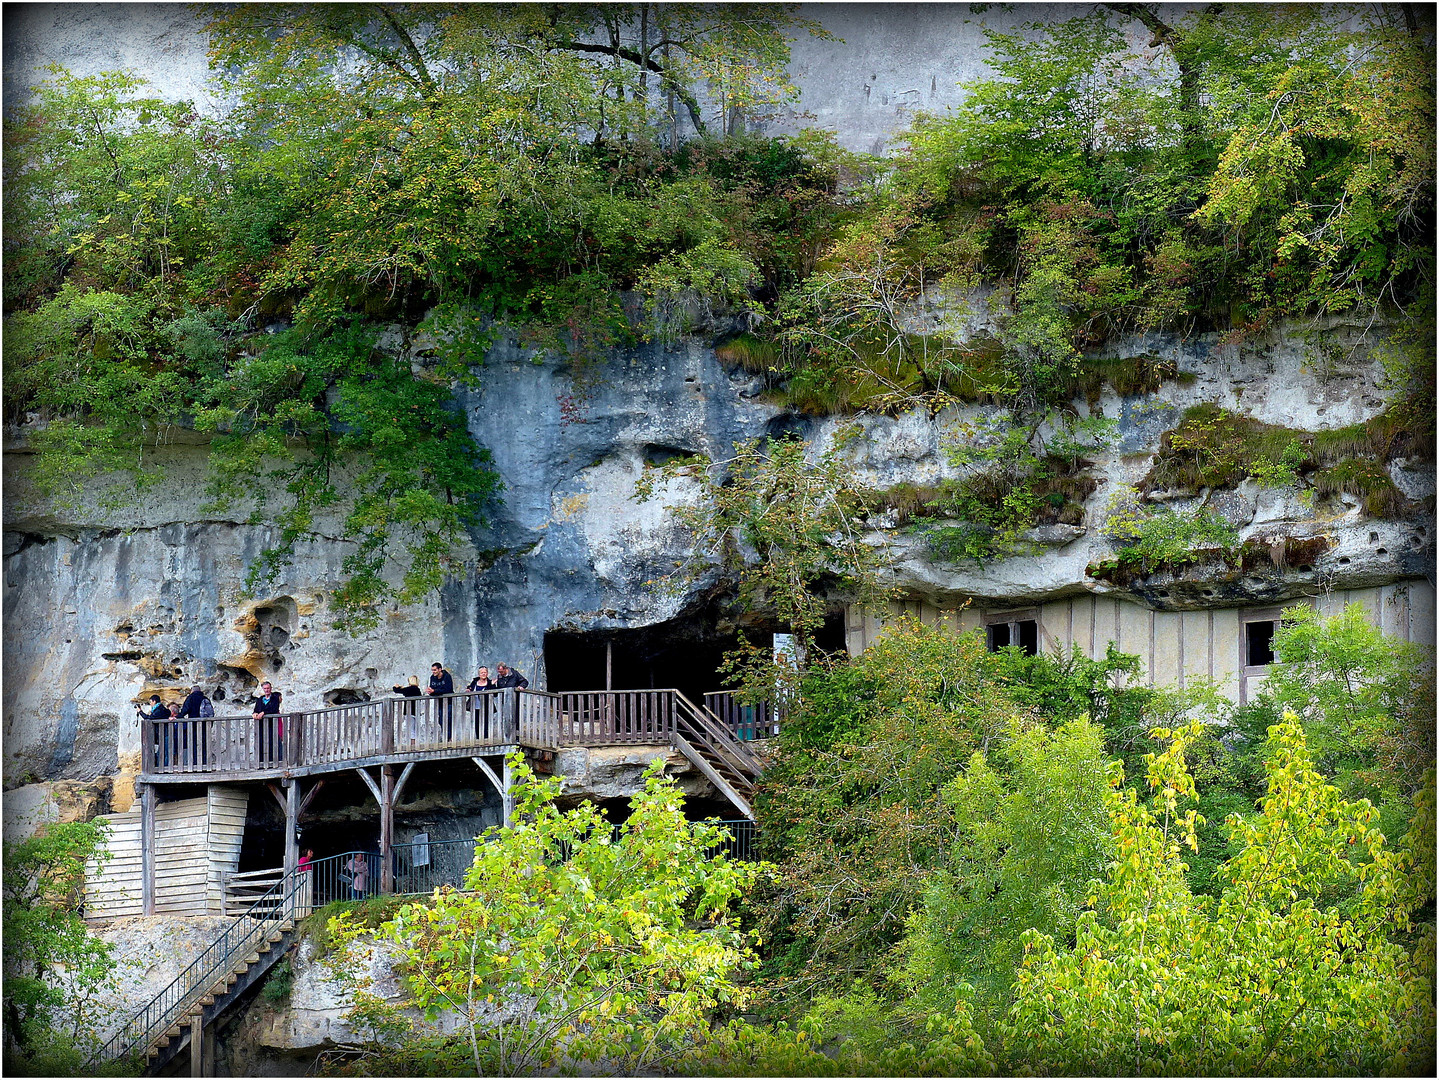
x,y
191,711
270,733
157,711
441,683
509,678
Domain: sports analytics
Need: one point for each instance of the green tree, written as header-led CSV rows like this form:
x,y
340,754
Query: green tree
x,y
572,941
788,527
1292,970
54,966
1030,832
1365,699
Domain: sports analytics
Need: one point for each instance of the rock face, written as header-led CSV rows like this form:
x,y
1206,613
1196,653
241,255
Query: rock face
x,y
107,606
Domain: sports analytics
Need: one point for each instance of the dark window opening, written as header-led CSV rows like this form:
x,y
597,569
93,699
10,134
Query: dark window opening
x,y
1258,645
1024,634
1029,637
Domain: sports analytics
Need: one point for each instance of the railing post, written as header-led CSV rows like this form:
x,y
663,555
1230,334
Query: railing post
x,y
387,724
296,745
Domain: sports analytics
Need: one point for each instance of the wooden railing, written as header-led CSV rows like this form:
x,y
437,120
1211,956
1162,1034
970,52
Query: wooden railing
x,y
747,722
401,726
341,733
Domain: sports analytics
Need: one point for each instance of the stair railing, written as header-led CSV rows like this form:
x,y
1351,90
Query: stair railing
x,y
171,1005
706,731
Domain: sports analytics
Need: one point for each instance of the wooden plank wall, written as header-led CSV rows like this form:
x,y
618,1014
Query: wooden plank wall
x,y
182,857
227,806
195,841
112,890
1175,647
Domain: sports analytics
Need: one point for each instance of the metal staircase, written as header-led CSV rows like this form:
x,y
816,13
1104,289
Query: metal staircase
x,y
232,963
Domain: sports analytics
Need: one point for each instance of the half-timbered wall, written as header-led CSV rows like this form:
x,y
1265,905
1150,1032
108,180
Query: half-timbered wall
x,y
1174,647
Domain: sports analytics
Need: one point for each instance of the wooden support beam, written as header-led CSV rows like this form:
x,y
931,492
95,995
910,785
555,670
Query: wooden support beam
x,y
147,849
274,790
292,817
387,829
309,795
370,783
197,1046
400,783
209,1033
502,785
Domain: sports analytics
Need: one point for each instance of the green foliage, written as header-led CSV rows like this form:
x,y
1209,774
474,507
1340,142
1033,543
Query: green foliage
x,y
784,525
569,944
1291,970
850,808
489,165
1366,702
1151,539
1261,164
1011,486
279,983
54,966
1030,831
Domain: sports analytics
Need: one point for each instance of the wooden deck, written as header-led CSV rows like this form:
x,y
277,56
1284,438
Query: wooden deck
x,y
405,730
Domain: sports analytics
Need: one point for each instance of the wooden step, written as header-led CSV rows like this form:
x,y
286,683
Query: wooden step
x,y
208,999
173,1033
276,935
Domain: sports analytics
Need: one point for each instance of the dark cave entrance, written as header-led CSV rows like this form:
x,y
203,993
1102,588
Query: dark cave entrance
x,y
683,653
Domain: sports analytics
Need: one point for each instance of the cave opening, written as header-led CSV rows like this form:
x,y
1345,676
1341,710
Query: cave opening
x,y
683,653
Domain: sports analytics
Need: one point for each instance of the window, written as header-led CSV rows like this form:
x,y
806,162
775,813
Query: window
x,y
1006,630
1259,643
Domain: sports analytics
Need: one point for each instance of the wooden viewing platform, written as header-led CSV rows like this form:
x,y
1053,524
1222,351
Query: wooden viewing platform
x,y
403,731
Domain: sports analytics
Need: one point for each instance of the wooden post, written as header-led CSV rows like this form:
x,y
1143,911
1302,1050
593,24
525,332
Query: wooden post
x,y
609,665
209,1033
292,814
388,712
505,800
295,744
147,849
197,1046
387,828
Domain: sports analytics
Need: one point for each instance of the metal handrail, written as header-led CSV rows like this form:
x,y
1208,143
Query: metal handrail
x,y
292,897
173,1002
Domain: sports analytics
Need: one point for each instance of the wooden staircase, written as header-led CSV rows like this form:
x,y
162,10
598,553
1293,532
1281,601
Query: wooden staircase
x,y
230,980
726,762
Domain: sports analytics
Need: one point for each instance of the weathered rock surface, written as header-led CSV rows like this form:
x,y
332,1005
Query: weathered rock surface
x,y
105,606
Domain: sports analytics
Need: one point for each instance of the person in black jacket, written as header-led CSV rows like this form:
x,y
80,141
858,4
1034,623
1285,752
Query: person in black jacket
x,y
509,678
270,734
191,711
442,683
155,710
409,690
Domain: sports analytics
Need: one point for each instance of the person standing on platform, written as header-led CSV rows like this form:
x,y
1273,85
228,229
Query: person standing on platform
x,y
441,684
478,685
305,886
156,711
269,726
358,867
194,709
509,678
407,710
